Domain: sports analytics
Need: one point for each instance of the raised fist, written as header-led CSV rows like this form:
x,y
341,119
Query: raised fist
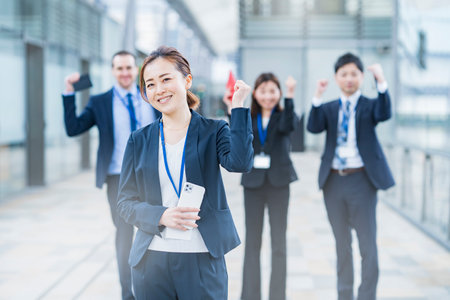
x,y
70,80
291,83
377,72
241,91
321,87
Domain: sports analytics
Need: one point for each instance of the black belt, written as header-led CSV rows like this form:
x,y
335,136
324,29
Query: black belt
x,y
345,172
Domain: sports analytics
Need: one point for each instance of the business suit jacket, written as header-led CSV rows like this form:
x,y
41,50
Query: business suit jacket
x,y
98,111
368,113
208,143
277,145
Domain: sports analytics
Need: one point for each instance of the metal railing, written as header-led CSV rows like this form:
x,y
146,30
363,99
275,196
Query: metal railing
x,y
422,191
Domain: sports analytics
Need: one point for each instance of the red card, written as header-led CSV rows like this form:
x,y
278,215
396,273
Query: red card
x,y
230,85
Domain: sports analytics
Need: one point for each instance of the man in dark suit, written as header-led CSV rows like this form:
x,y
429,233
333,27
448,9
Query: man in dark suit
x,y
353,168
116,113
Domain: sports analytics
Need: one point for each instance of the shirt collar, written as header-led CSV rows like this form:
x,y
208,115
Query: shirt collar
x,y
352,98
123,92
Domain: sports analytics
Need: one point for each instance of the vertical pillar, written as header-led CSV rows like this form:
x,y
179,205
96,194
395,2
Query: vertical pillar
x,y
34,83
85,138
129,34
396,63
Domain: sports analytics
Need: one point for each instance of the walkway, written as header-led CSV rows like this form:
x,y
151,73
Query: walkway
x,y
57,243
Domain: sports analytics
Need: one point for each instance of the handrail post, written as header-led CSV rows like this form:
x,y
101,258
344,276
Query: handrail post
x,y
448,225
405,173
425,179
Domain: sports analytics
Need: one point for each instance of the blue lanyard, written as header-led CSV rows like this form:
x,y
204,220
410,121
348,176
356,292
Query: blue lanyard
x,y
130,111
161,131
263,132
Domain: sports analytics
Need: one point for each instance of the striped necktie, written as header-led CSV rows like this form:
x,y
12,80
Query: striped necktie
x,y
343,131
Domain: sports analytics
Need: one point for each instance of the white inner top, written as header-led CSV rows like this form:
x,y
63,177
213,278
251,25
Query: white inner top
x,y
170,199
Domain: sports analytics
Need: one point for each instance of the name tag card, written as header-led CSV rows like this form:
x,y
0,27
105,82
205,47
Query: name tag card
x,y
261,161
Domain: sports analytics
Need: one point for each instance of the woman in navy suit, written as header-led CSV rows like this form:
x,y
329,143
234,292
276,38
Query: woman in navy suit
x,y
182,147
268,184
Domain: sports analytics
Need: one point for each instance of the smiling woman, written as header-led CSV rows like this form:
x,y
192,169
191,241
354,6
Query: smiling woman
x,y
171,65
165,81
166,88
182,149
267,184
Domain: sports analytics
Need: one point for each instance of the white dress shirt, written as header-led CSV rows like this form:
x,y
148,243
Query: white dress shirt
x,y
355,160
121,121
170,199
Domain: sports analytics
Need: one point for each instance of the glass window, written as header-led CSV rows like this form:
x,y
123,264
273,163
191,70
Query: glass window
x,y
62,154
9,14
12,116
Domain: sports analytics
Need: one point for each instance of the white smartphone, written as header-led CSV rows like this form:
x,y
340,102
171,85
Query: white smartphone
x,y
191,196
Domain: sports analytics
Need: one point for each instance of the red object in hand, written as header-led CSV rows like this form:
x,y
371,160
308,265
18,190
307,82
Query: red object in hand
x,y
230,85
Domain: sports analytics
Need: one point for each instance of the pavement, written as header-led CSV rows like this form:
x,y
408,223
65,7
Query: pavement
x,y
57,242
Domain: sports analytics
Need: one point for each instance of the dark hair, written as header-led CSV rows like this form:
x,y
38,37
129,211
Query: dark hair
x,y
264,77
122,53
348,58
181,63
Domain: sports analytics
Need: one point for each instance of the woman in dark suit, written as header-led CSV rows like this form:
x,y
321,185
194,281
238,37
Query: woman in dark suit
x,y
268,184
180,148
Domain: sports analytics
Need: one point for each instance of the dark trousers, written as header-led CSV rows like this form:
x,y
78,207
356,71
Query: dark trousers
x,y
124,238
180,276
277,200
351,203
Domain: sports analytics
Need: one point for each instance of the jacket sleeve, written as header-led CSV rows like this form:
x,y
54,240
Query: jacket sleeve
x,y
286,124
234,142
382,108
130,206
316,120
76,125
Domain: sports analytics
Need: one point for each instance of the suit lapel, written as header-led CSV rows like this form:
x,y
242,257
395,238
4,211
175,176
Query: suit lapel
x,y
109,111
272,121
271,128
256,135
360,107
192,162
334,119
153,141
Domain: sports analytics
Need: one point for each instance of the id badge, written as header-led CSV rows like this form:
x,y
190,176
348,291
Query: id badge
x,y
261,161
346,152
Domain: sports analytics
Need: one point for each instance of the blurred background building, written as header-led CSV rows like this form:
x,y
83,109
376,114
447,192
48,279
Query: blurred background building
x,y
41,41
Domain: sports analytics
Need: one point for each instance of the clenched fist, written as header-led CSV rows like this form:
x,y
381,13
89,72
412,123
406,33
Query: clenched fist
x,y
321,87
70,80
241,91
377,72
291,83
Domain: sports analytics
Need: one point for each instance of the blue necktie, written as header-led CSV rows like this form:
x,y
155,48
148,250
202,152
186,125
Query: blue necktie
x,y
343,131
131,112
